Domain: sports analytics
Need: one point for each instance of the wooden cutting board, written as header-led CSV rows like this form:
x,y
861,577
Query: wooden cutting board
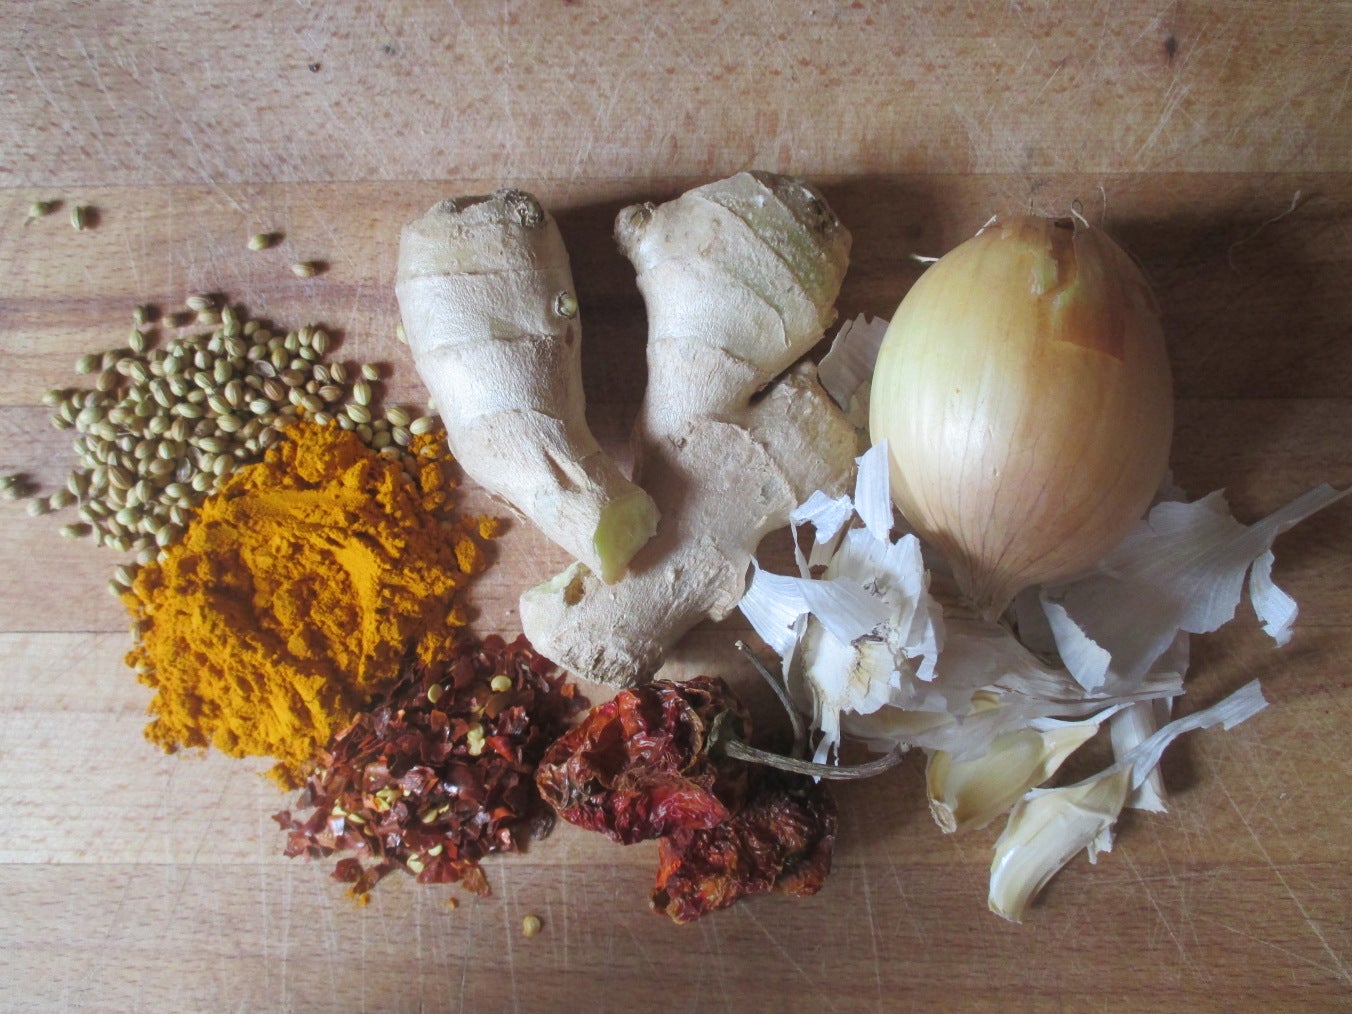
x,y
1212,138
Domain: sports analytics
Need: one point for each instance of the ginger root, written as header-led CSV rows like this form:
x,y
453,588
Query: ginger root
x,y
487,300
739,278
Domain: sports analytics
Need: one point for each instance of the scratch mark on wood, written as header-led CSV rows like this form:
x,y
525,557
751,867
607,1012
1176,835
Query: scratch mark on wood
x,y
1144,884
507,931
872,934
1287,951
1338,967
916,928
781,949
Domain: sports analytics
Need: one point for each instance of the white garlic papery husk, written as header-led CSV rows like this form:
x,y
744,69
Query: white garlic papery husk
x,y
847,368
1023,388
1180,570
867,624
877,658
987,684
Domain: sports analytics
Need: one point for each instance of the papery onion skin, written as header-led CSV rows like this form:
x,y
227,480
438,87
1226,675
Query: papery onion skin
x,y
1023,388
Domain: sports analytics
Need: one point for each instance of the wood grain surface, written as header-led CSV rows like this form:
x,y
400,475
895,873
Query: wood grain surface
x,y
1214,139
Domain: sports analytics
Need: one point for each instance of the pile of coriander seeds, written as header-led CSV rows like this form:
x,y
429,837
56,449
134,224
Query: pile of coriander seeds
x,y
169,417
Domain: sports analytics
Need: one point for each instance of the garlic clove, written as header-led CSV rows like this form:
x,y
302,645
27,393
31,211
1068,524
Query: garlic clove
x,y
972,793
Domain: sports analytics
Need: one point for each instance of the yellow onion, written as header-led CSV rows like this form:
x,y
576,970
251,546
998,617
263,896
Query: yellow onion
x,y
1023,390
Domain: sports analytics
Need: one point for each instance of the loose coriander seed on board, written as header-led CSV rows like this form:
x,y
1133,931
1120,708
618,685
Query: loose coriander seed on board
x,y
164,425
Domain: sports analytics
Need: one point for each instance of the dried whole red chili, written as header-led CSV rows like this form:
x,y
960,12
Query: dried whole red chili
x,y
648,764
440,772
780,842
638,767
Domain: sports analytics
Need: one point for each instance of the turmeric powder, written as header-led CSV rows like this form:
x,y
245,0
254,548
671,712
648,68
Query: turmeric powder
x,y
294,595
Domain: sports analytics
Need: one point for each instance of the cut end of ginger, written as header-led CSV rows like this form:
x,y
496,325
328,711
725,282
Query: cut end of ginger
x,y
625,526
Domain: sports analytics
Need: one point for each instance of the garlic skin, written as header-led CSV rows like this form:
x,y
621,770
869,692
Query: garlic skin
x,y
1023,388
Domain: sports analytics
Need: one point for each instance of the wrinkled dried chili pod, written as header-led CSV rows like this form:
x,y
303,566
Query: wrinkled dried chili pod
x,y
781,841
639,766
654,763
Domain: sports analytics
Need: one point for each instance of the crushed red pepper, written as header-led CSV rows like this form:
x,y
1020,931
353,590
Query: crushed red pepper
x,y
440,772
646,765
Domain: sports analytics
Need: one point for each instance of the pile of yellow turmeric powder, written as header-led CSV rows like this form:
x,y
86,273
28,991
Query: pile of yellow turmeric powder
x,y
296,592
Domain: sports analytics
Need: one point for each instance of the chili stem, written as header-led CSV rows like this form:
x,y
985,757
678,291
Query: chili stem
x,y
734,747
799,729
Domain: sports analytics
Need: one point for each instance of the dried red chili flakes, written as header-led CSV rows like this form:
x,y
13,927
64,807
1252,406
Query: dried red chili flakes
x,y
440,772
638,766
780,842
